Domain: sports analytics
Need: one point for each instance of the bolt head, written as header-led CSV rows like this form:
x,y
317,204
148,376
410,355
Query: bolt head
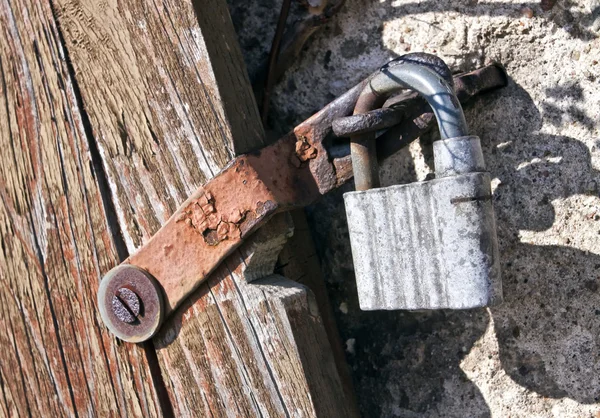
x,y
130,301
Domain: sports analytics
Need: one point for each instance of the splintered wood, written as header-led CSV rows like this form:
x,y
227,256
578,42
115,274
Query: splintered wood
x,y
118,111
57,358
266,339
166,92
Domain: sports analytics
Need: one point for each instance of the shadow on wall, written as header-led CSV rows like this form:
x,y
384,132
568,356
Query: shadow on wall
x,y
548,328
408,364
549,324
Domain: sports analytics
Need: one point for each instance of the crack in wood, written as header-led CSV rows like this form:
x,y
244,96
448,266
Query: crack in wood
x,y
179,106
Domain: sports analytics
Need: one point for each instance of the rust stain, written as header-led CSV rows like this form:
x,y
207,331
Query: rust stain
x,y
220,215
304,150
203,218
200,215
291,173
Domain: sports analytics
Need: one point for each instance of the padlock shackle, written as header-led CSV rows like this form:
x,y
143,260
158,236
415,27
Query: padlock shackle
x,y
429,84
427,75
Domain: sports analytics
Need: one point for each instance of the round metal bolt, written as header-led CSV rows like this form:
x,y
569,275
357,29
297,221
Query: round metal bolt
x,y
130,301
126,305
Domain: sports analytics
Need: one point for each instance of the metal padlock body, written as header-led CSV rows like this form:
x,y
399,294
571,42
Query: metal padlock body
x,y
432,244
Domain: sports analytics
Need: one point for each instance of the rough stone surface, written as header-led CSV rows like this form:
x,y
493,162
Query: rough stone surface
x,y
538,354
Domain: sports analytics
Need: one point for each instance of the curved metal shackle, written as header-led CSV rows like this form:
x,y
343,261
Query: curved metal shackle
x,y
429,84
418,77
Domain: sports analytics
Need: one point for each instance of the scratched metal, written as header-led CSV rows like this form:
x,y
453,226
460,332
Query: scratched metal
x,y
428,245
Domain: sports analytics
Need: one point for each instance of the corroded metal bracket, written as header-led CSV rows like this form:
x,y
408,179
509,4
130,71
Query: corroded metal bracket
x,y
221,214
291,173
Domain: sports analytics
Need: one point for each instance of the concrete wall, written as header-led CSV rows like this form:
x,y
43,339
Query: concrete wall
x,y
538,354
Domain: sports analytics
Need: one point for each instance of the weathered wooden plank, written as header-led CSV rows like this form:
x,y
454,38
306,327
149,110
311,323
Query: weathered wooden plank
x,y
233,348
57,358
299,261
271,357
164,114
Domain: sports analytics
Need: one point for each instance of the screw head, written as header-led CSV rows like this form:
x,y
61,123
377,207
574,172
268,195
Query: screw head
x,y
126,305
130,301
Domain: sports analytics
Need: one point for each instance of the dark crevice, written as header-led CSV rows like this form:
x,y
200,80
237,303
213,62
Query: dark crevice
x,y
122,125
152,133
111,215
96,159
166,408
72,237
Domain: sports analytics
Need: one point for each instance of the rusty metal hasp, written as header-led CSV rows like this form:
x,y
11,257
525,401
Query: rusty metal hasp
x,y
293,172
431,244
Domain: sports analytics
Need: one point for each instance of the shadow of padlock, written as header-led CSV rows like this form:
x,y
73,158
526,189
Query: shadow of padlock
x,y
431,244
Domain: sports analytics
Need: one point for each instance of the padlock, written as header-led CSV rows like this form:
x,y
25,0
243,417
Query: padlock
x,y
430,244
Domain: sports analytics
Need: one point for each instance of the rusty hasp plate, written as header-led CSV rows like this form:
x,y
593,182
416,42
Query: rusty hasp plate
x,y
219,215
215,220
291,173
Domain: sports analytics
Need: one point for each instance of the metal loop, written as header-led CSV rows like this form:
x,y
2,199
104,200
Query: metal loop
x,y
411,75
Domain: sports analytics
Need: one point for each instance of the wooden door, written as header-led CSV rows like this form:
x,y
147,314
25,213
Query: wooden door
x,y
111,113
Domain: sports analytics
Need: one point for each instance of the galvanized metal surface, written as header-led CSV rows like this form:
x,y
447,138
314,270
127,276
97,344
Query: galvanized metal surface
x,y
413,248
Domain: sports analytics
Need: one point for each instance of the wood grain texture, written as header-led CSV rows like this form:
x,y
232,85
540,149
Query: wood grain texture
x,y
57,358
170,104
166,92
299,261
257,348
